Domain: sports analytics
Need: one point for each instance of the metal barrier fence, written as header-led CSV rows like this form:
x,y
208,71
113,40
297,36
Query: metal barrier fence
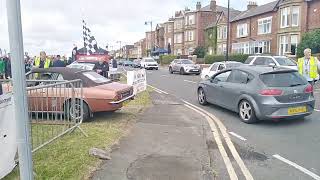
x,y
55,108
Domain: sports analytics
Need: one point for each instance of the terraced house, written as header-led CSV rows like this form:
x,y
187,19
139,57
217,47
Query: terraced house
x,y
274,28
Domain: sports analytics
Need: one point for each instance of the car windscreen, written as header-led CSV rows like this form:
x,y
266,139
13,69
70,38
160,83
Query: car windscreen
x,y
248,61
285,61
283,79
97,78
232,65
186,62
149,60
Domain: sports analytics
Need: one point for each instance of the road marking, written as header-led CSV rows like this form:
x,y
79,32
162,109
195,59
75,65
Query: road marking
x,y
237,136
158,90
304,170
164,75
225,157
317,110
190,81
227,139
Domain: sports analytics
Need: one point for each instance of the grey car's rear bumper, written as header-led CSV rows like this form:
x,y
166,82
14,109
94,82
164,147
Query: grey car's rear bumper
x,y
274,111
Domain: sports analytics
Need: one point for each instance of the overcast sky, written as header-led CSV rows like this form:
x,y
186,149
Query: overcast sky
x,y
55,25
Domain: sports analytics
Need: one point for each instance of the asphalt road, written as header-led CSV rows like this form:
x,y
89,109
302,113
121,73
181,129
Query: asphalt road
x,y
297,141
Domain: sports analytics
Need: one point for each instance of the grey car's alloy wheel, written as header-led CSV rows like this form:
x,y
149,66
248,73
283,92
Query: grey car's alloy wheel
x,y
246,112
202,97
170,70
182,71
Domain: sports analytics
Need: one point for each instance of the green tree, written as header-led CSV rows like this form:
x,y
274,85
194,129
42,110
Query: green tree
x,y
309,40
200,52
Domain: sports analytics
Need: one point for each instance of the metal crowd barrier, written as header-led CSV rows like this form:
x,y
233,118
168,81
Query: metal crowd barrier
x,y
55,108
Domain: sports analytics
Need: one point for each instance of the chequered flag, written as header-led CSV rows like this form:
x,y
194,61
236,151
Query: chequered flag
x,y
89,41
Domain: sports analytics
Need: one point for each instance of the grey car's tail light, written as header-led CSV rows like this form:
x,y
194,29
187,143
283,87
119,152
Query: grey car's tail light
x,y
271,92
309,89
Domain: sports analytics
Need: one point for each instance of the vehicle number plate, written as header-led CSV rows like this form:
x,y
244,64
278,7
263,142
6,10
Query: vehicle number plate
x,y
297,110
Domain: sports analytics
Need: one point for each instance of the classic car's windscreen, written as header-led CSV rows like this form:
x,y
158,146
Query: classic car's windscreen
x,y
97,78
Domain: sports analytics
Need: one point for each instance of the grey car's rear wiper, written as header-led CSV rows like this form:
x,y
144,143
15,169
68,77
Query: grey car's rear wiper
x,y
293,85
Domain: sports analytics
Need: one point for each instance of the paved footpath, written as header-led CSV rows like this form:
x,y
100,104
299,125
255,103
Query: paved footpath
x,y
168,142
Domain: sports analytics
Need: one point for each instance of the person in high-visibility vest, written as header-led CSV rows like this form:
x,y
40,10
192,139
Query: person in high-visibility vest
x,y
308,66
43,61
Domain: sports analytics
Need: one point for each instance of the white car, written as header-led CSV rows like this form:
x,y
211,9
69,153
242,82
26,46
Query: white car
x,y
279,61
217,67
149,63
85,66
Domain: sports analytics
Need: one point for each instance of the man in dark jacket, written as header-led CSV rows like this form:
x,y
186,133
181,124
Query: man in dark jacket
x,y
58,62
102,68
114,64
8,67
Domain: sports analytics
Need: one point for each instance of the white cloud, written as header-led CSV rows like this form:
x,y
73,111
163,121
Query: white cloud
x,y
55,25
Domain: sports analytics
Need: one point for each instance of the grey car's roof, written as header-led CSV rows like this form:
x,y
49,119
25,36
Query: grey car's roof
x,y
227,62
262,69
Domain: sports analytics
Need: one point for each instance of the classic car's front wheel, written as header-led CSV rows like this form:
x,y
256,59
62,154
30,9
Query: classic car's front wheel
x,y
74,112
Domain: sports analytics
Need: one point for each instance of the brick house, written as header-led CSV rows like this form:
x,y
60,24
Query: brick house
x,y
168,33
274,28
255,30
150,40
216,33
159,36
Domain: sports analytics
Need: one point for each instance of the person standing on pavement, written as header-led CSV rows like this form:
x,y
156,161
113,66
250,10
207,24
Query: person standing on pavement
x,y
8,67
114,64
58,62
102,68
43,61
308,66
2,68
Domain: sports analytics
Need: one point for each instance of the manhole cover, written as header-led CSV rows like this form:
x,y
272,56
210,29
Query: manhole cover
x,y
156,167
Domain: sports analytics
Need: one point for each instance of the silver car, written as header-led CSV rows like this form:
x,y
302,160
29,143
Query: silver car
x,y
184,66
259,93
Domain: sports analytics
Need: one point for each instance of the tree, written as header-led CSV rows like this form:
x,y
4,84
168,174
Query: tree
x,y
200,52
309,40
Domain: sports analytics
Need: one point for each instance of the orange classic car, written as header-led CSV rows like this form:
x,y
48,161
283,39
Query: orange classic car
x,y
99,94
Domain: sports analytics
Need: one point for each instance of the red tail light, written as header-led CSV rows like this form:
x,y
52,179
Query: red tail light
x,y
309,89
271,92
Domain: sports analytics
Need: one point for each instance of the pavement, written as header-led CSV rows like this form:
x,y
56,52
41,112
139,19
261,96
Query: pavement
x,y
168,141
271,150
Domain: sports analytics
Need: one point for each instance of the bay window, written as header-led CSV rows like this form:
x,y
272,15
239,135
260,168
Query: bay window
x,y
242,30
283,45
295,16
265,25
285,14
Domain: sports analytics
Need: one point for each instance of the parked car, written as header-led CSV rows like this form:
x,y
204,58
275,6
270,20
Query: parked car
x,y
99,93
120,62
136,63
149,63
128,63
217,67
184,66
259,93
279,61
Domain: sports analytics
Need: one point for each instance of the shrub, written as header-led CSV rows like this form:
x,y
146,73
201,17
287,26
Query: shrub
x,y
309,40
166,59
209,59
200,52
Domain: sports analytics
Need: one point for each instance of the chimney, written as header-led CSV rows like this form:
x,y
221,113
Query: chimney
x,y
198,7
213,5
252,4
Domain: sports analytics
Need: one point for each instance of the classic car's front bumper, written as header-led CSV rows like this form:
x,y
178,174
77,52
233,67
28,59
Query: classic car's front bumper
x,y
122,100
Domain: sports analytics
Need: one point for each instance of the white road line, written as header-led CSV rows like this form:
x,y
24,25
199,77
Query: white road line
x,y
228,141
237,136
317,110
190,81
225,157
164,75
158,90
304,170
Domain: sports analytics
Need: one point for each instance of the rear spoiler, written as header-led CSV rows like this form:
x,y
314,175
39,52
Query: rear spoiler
x,y
279,71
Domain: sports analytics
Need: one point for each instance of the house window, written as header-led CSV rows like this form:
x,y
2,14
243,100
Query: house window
x,y
295,16
283,45
186,20
169,41
178,24
242,30
190,36
285,14
264,25
191,20
225,31
178,38
294,44
169,28
219,33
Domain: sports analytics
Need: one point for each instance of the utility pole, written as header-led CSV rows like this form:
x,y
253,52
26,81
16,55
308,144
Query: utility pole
x,y
19,89
119,48
228,32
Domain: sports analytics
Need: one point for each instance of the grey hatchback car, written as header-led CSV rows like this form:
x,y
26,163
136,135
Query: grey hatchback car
x,y
259,93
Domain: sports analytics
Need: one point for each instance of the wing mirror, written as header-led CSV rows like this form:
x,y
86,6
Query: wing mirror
x,y
214,80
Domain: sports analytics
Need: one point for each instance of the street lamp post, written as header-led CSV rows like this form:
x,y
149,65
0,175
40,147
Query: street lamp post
x,y
146,23
119,48
228,32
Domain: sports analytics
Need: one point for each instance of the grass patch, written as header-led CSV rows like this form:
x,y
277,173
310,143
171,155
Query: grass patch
x,y
68,158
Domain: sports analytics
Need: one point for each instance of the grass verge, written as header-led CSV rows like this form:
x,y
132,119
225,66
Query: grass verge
x,y
68,158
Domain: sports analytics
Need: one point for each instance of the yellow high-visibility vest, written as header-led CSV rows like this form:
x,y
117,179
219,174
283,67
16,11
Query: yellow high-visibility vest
x,y
46,63
313,67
